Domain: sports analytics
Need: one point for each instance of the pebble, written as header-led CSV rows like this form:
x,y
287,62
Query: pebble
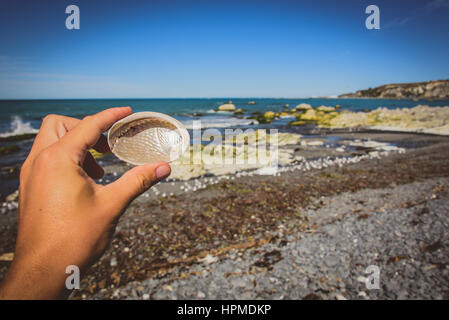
x,y
340,297
331,261
328,263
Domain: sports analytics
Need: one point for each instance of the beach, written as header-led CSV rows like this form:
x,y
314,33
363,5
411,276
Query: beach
x,y
342,199
224,150
298,121
304,234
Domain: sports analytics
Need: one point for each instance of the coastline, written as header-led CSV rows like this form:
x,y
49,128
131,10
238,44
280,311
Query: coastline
x,y
220,232
213,224
302,126
246,224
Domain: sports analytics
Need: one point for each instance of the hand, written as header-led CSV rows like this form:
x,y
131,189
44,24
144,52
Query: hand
x,y
65,218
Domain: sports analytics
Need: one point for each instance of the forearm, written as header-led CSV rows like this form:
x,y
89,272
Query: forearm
x,y
65,218
33,280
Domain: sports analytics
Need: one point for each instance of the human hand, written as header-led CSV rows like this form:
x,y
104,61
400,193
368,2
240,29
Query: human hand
x,y
65,218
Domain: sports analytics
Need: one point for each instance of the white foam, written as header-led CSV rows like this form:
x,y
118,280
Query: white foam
x,y
18,127
219,122
215,111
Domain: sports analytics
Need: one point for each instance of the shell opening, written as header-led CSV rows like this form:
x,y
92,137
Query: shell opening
x,y
147,140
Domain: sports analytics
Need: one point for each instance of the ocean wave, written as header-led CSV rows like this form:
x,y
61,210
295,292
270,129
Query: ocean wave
x,y
215,111
18,127
215,122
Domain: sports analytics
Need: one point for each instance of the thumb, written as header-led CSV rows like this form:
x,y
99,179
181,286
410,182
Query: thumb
x,y
135,182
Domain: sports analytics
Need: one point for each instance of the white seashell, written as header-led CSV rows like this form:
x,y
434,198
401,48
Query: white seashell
x,y
147,137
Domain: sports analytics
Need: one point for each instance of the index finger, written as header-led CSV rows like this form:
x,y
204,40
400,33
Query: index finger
x,y
87,132
53,128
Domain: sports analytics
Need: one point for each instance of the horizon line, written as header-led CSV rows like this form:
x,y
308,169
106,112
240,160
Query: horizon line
x,y
167,98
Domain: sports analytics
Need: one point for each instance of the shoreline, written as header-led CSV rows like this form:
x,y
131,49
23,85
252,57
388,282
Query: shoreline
x,y
165,238
313,142
245,214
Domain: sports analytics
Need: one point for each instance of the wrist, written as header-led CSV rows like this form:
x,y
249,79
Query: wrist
x,y
29,279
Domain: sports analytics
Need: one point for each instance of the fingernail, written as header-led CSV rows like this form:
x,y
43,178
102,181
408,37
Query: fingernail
x,y
162,171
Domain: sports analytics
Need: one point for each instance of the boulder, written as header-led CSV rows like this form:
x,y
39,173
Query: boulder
x,y
7,256
285,115
226,107
269,115
325,109
303,106
309,115
297,123
13,196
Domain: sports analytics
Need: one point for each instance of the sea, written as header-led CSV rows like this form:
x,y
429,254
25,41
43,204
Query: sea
x,y
18,117
25,116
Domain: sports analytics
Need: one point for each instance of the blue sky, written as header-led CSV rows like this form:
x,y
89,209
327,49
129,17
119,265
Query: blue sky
x,y
144,49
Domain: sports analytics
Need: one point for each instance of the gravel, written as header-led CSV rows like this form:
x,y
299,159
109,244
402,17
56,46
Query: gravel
x,y
401,230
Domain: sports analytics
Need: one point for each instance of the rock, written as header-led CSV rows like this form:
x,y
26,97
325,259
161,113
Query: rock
x,y
403,295
303,106
116,294
309,115
98,155
7,256
146,296
265,118
437,90
226,107
297,123
20,137
238,283
433,120
269,115
286,106
238,111
392,286
209,259
7,150
317,143
113,262
13,196
340,297
285,115
201,295
331,261
251,102
325,109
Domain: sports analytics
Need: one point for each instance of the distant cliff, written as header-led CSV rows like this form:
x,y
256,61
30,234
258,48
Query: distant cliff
x,y
431,90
